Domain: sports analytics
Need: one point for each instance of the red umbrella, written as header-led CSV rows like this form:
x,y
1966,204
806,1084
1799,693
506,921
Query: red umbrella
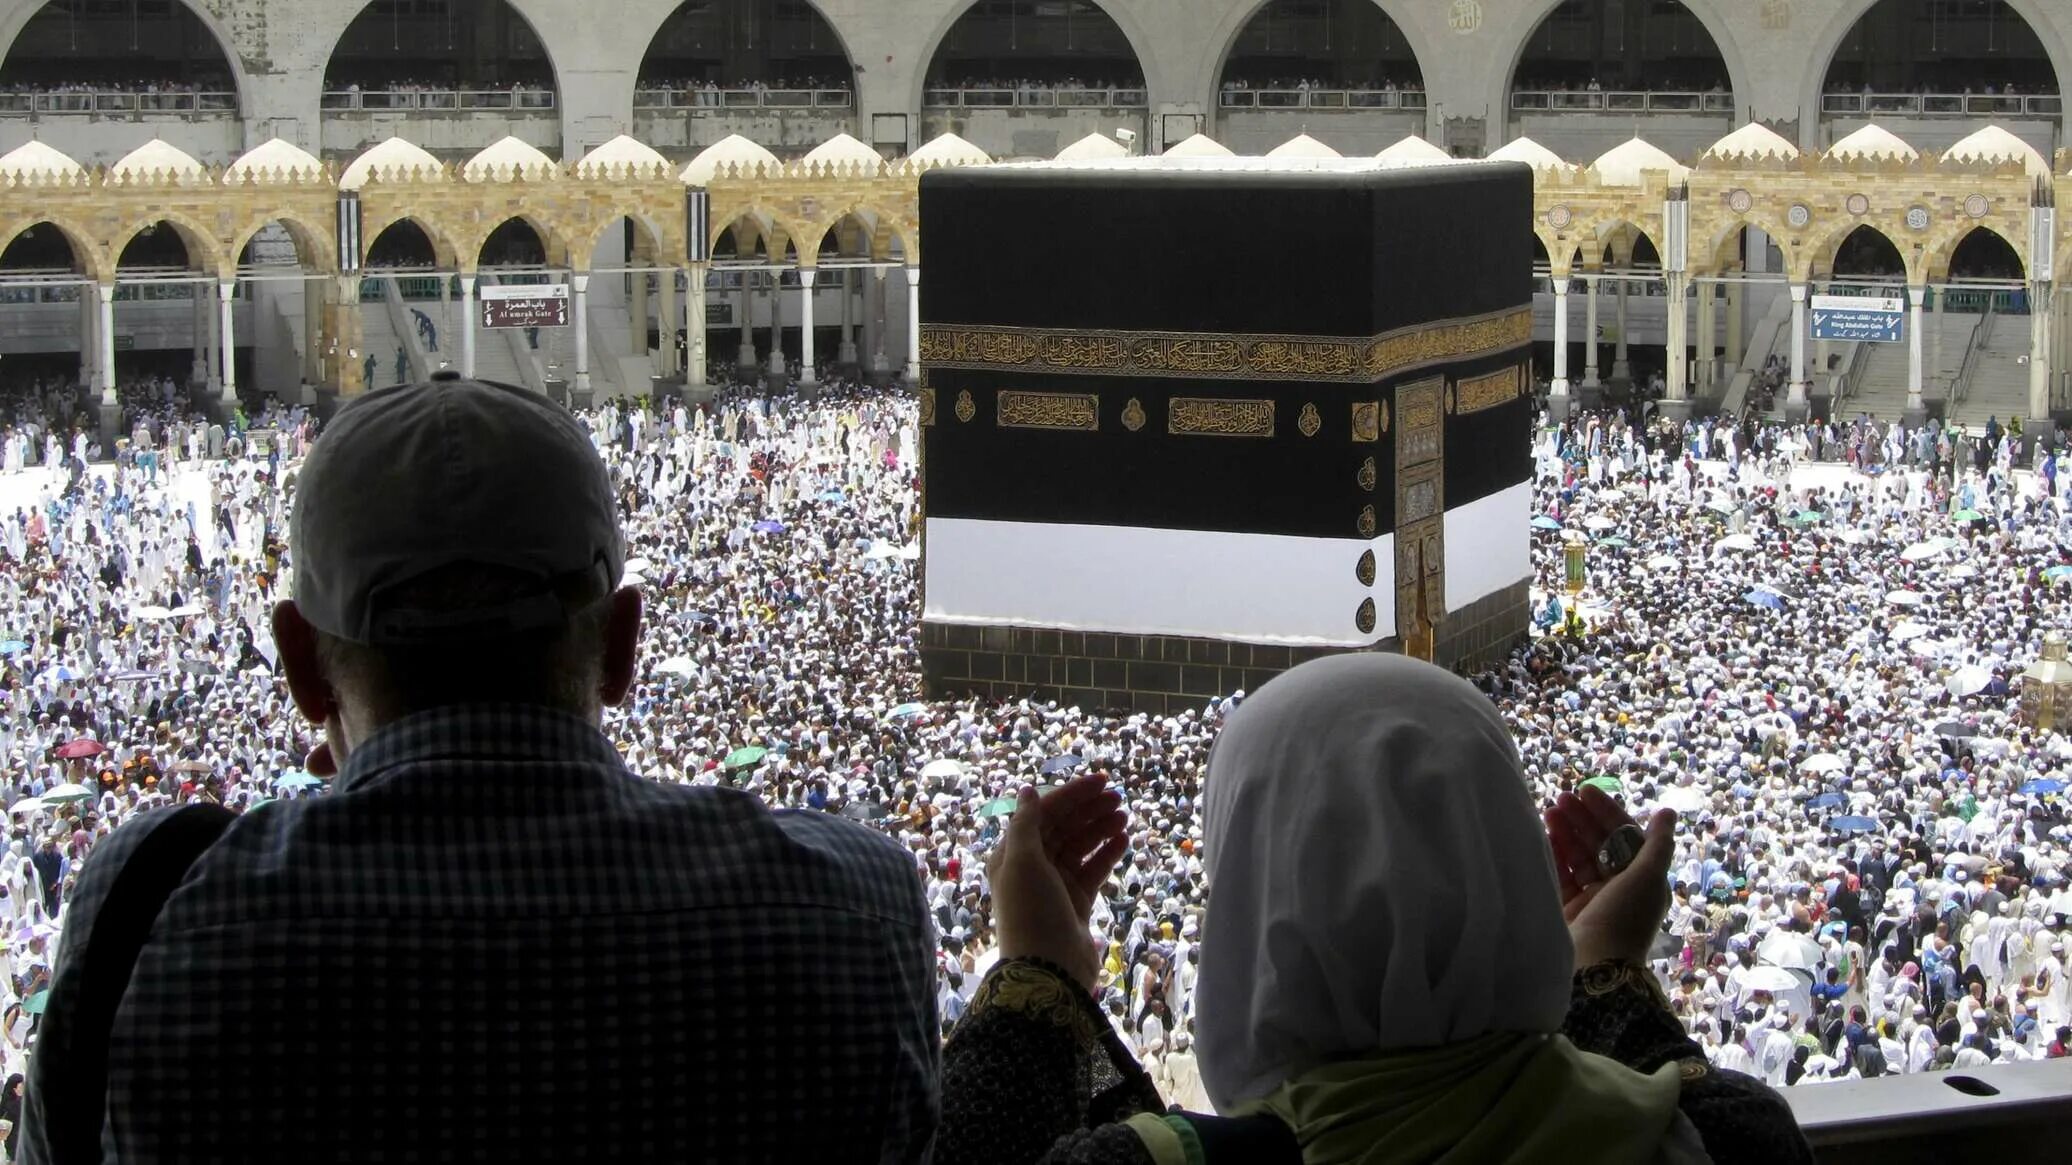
x,y
75,749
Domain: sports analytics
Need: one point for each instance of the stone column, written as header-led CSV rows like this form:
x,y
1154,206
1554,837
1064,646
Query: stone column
x,y
1622,368
579,285
467,326
1917,411
775,368
808,377
880,368
312,331
1708,338
694,327
746,359
846,355
1560,386
104,331
1678,340
2040,297
637,314
665,321
1590,379
199,374
225,292
1936,339
1737,353
89,337
913,368
1795,406
215,322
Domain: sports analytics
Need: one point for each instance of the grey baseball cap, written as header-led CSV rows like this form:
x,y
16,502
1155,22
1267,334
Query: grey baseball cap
x,y
416,478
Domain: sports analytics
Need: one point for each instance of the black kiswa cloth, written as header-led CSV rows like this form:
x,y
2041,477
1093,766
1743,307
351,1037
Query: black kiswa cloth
x,y
1082,325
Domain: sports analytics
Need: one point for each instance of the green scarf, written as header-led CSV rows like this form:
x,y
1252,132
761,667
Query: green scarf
x,y
1497,1098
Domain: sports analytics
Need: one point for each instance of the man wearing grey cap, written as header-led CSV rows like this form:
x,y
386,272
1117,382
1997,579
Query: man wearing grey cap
x,y
492,941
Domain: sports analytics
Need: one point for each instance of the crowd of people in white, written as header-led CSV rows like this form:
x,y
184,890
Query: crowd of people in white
x,y
1809,661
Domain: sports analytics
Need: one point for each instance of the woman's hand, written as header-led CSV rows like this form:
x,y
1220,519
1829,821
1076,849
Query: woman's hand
x,y
1616,917
1045,872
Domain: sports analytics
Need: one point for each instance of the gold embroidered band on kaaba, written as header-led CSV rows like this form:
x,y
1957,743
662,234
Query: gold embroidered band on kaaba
x,y
1217,356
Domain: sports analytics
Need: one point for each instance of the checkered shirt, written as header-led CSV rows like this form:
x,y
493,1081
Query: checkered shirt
x,y
494,943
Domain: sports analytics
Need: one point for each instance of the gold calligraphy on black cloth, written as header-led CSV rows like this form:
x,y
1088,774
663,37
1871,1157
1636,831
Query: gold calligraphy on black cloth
x,y
1195,416
1420,514
1076,411
1215,356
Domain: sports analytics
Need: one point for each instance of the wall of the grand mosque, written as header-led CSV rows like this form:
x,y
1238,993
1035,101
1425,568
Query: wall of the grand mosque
x,y
1468,56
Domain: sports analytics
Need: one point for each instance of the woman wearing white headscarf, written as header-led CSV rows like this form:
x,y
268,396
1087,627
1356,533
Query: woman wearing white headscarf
x,y
1386,966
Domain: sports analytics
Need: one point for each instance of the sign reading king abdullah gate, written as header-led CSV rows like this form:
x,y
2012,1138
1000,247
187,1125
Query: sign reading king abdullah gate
x,y
543,305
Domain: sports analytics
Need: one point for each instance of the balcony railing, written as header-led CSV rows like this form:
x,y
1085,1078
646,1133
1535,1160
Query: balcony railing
x,y
1034,99
439,100
1618,101
103,104
1321,99
1944,104
652,99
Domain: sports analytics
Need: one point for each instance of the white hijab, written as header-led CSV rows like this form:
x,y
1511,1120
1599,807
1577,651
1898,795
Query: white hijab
x,y
1381,878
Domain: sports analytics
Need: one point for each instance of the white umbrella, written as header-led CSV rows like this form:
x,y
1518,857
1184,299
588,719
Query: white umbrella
x,y
1661,562
677,665
910,552
1824,762
1683,798
636,565
1907,632
27,805
1736,542
153,613
1921,551
186,610
944,769
1789,951
1771,979
1963,570
68,791
1930,648
633,579
1968,680
1720,506
1905,598
881,549
1599,522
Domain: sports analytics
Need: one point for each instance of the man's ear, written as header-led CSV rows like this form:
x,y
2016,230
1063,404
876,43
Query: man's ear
x,y
296,641
621,646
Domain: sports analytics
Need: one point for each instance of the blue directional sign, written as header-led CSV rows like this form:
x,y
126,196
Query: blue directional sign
x,y
1860,318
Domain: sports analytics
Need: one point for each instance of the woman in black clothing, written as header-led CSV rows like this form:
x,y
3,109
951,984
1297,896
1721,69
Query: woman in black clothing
x,y
11,1111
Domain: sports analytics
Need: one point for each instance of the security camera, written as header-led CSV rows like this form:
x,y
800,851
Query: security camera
x,y
1127,137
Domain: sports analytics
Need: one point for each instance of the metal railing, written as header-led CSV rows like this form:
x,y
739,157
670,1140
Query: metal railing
x,y
1321,99
665,98
1618,101
1034,99
1944,104
115,102
1980,335
439,100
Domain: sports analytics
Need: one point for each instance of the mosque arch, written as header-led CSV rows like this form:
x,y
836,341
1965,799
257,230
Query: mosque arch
x,y
441,44
72,42
778,43
1359,42
1106,34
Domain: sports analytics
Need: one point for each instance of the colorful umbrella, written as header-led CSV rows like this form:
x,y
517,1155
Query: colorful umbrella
x,y
998,807
300,781
907,712
1852,824
82,747
1609,784
2042,786
742,758
1543,522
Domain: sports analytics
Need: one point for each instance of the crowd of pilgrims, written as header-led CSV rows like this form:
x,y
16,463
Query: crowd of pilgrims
x,y
1872,876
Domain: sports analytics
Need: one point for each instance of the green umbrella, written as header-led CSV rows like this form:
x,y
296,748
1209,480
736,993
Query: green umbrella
x,y
1609,784
1808,517
998,807
742,758
35,1004
1614,540
1966,516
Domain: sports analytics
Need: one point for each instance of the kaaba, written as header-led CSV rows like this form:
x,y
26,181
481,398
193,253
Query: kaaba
x,y
1187,423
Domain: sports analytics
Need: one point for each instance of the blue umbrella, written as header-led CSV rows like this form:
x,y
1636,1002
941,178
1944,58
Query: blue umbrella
x,y
2053,574
299,781
1543,522
1768,600
13,647
1853,824
2042,786
1827,801
833,495
906,711
767,526
1063,764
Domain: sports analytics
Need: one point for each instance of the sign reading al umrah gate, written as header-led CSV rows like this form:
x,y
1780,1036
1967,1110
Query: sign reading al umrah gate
x,y
1165,453
529,305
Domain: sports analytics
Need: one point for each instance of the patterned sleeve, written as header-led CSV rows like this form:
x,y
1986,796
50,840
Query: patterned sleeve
x,y
1617,1010
1033,1074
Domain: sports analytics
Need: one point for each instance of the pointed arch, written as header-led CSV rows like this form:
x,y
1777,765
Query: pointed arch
x,y
16,23
1134,34
90,257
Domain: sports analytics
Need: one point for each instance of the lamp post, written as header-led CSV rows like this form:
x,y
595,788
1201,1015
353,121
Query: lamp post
x,y
2047,686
